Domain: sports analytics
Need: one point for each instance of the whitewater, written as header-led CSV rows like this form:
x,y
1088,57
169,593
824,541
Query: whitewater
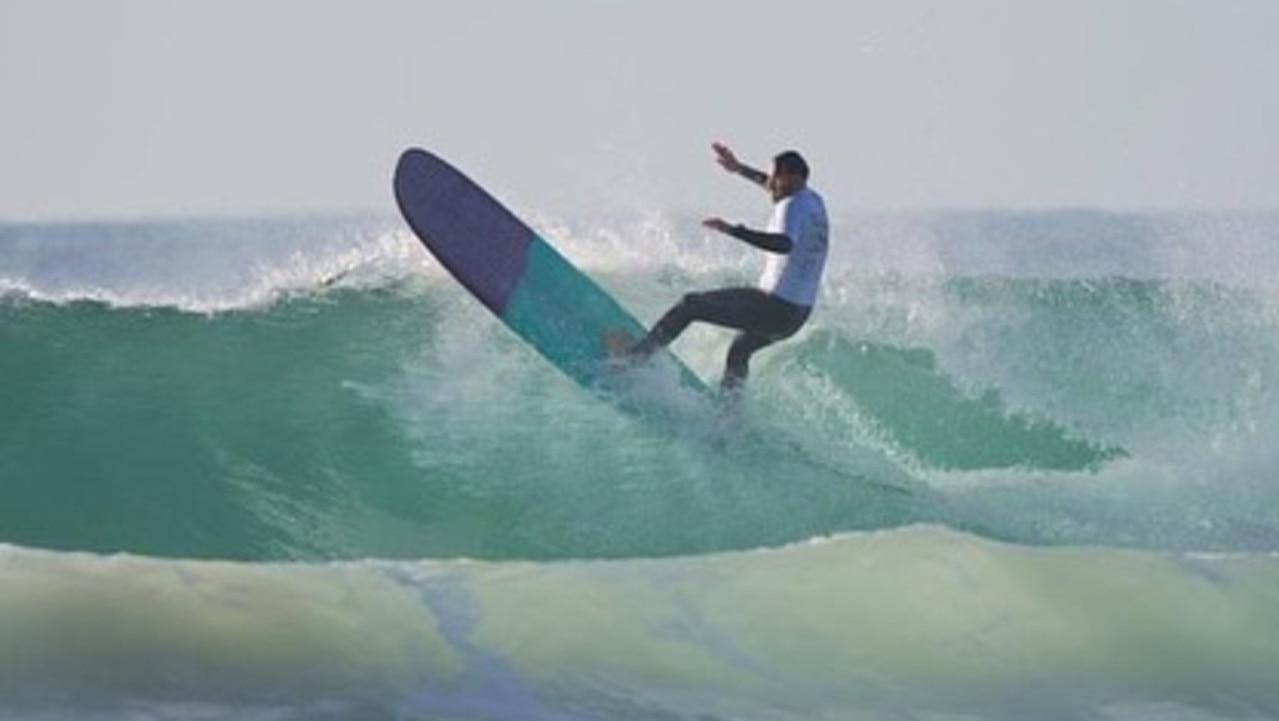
x,y
286,468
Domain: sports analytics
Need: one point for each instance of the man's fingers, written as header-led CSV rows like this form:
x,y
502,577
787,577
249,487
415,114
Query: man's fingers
x,y
725,155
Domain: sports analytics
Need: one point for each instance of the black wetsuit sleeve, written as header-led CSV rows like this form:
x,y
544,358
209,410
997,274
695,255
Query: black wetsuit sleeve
x,y
757,177
773,242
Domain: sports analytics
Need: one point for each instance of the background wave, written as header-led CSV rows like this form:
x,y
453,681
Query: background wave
x,y
917,623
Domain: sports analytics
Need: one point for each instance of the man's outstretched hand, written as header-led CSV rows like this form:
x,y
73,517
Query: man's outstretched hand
x,y
717,224
726,158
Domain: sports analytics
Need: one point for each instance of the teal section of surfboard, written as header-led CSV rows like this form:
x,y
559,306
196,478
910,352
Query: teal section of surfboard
x,y
564,315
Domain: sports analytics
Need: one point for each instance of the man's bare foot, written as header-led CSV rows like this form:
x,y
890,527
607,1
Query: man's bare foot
x,y
617,343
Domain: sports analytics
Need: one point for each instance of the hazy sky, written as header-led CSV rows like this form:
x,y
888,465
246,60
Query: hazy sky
x,y
127,108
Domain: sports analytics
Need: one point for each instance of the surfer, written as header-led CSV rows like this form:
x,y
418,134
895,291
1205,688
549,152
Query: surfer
x,y
795,239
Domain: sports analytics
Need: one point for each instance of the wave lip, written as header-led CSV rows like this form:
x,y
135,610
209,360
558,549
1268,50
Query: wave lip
x,y
198,266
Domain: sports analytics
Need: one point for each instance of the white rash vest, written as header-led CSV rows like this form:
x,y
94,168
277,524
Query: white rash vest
x,y
797,276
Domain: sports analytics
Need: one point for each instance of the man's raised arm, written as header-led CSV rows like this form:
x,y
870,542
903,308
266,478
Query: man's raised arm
x,y
728,160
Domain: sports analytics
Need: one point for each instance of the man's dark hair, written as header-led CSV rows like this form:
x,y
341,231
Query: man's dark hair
x,y
791,162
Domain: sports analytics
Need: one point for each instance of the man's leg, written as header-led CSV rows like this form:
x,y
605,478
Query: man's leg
x,y
775,321
730,307
737,365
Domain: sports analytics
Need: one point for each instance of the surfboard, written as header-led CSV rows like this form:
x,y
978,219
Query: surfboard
x,y
517,274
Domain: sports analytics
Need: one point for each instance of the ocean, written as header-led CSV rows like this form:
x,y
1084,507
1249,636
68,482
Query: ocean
x,y
1019,465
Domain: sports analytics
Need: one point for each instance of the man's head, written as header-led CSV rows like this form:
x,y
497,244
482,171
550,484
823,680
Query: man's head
x,y
790,173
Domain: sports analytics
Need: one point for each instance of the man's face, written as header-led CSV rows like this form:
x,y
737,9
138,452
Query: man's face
x,y
781,183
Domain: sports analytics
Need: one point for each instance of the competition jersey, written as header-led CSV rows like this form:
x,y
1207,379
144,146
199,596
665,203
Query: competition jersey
x,y
796,276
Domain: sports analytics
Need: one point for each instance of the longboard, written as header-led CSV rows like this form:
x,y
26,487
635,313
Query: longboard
x,y
518,275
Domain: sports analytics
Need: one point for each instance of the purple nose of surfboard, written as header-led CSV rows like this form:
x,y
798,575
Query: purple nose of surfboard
x,y
478,240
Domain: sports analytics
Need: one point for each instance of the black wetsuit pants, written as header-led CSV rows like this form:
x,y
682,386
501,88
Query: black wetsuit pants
x,y
762,319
